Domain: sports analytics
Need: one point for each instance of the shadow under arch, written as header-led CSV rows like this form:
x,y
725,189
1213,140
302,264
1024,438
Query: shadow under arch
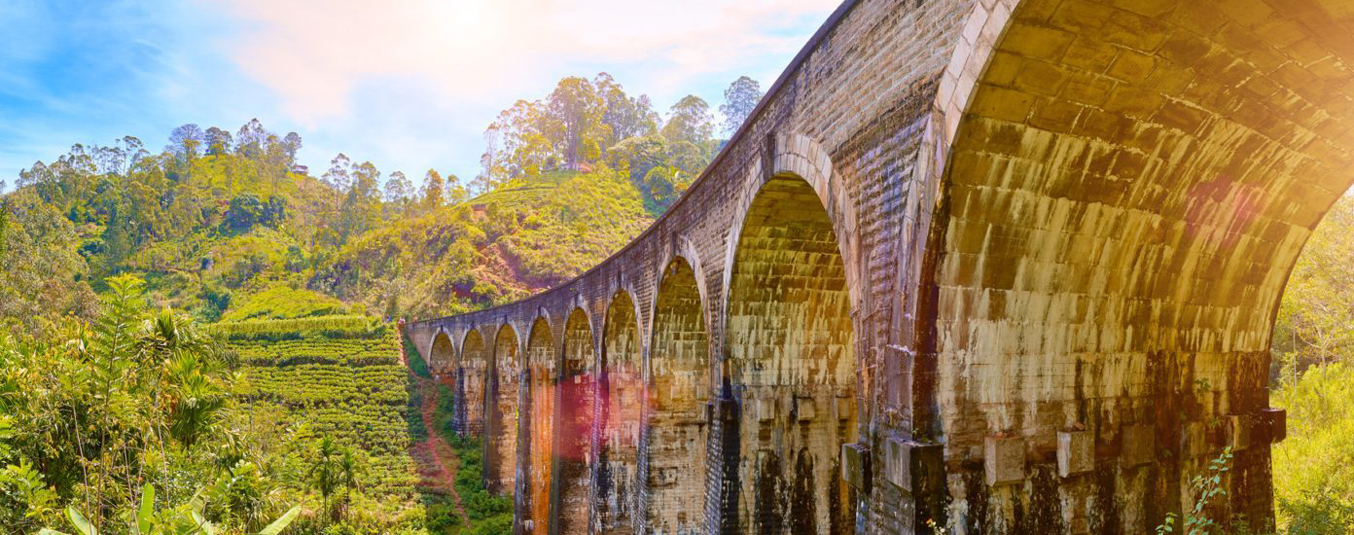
x,y
505,374
679,386
620,391
573,445
792,364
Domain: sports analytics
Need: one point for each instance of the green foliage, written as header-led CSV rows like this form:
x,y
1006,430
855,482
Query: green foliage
x,y
282,302
45,276
1315,324
133,399
534,233
416,363
1314,467
302,328
739,100
186,519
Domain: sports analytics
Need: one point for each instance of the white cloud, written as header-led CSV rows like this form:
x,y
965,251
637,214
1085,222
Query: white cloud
x,y
314,52
411,84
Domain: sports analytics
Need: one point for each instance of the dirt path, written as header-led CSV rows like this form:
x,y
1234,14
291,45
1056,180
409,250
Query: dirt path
x,y
442,459
438,462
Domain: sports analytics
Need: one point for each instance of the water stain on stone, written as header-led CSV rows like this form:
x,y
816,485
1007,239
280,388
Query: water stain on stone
x,y
803,513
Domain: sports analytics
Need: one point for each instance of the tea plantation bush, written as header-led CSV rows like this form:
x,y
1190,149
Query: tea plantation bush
x,y
337,376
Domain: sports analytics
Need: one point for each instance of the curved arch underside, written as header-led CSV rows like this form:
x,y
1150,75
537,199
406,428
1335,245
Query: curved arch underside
x,y
790,350
1128,191
442,355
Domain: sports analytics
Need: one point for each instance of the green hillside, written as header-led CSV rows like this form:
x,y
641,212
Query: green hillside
x,y
527,236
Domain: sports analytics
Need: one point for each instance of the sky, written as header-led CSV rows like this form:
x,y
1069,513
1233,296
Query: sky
x,y
406,84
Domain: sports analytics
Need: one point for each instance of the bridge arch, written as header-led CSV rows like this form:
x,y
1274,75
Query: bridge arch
x,y
790,346
679,386
540,399
1128,187
505,376
620,394
797,155
471,371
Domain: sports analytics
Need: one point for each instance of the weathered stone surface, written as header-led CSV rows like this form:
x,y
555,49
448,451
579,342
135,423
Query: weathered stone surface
x,y
1138,446
950,219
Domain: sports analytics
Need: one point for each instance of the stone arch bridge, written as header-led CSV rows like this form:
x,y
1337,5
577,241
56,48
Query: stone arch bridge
x,y
1006,265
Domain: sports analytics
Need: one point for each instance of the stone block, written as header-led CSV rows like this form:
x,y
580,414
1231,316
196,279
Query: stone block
x,y
1138,445
1239,431
856,465
1076,452
844,411
766,409
805,409
1004,460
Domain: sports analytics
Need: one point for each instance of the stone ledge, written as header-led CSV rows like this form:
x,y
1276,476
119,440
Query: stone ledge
x,y
856,470
904,462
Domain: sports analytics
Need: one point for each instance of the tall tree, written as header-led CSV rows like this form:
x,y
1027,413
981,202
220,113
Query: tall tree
x,y
574,121
433,190
186,141
218,141
689,120
290,145
252,139
739,100
626,116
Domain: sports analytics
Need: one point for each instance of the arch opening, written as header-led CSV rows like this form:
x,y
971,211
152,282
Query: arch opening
x,y
442,357
573,451
679,372
621,391
792,364
470,380
540,398
505,371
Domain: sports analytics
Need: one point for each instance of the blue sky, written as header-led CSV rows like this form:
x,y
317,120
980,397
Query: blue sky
x,y
406,84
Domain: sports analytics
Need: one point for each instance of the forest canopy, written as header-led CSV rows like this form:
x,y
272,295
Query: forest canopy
x,y
219,215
